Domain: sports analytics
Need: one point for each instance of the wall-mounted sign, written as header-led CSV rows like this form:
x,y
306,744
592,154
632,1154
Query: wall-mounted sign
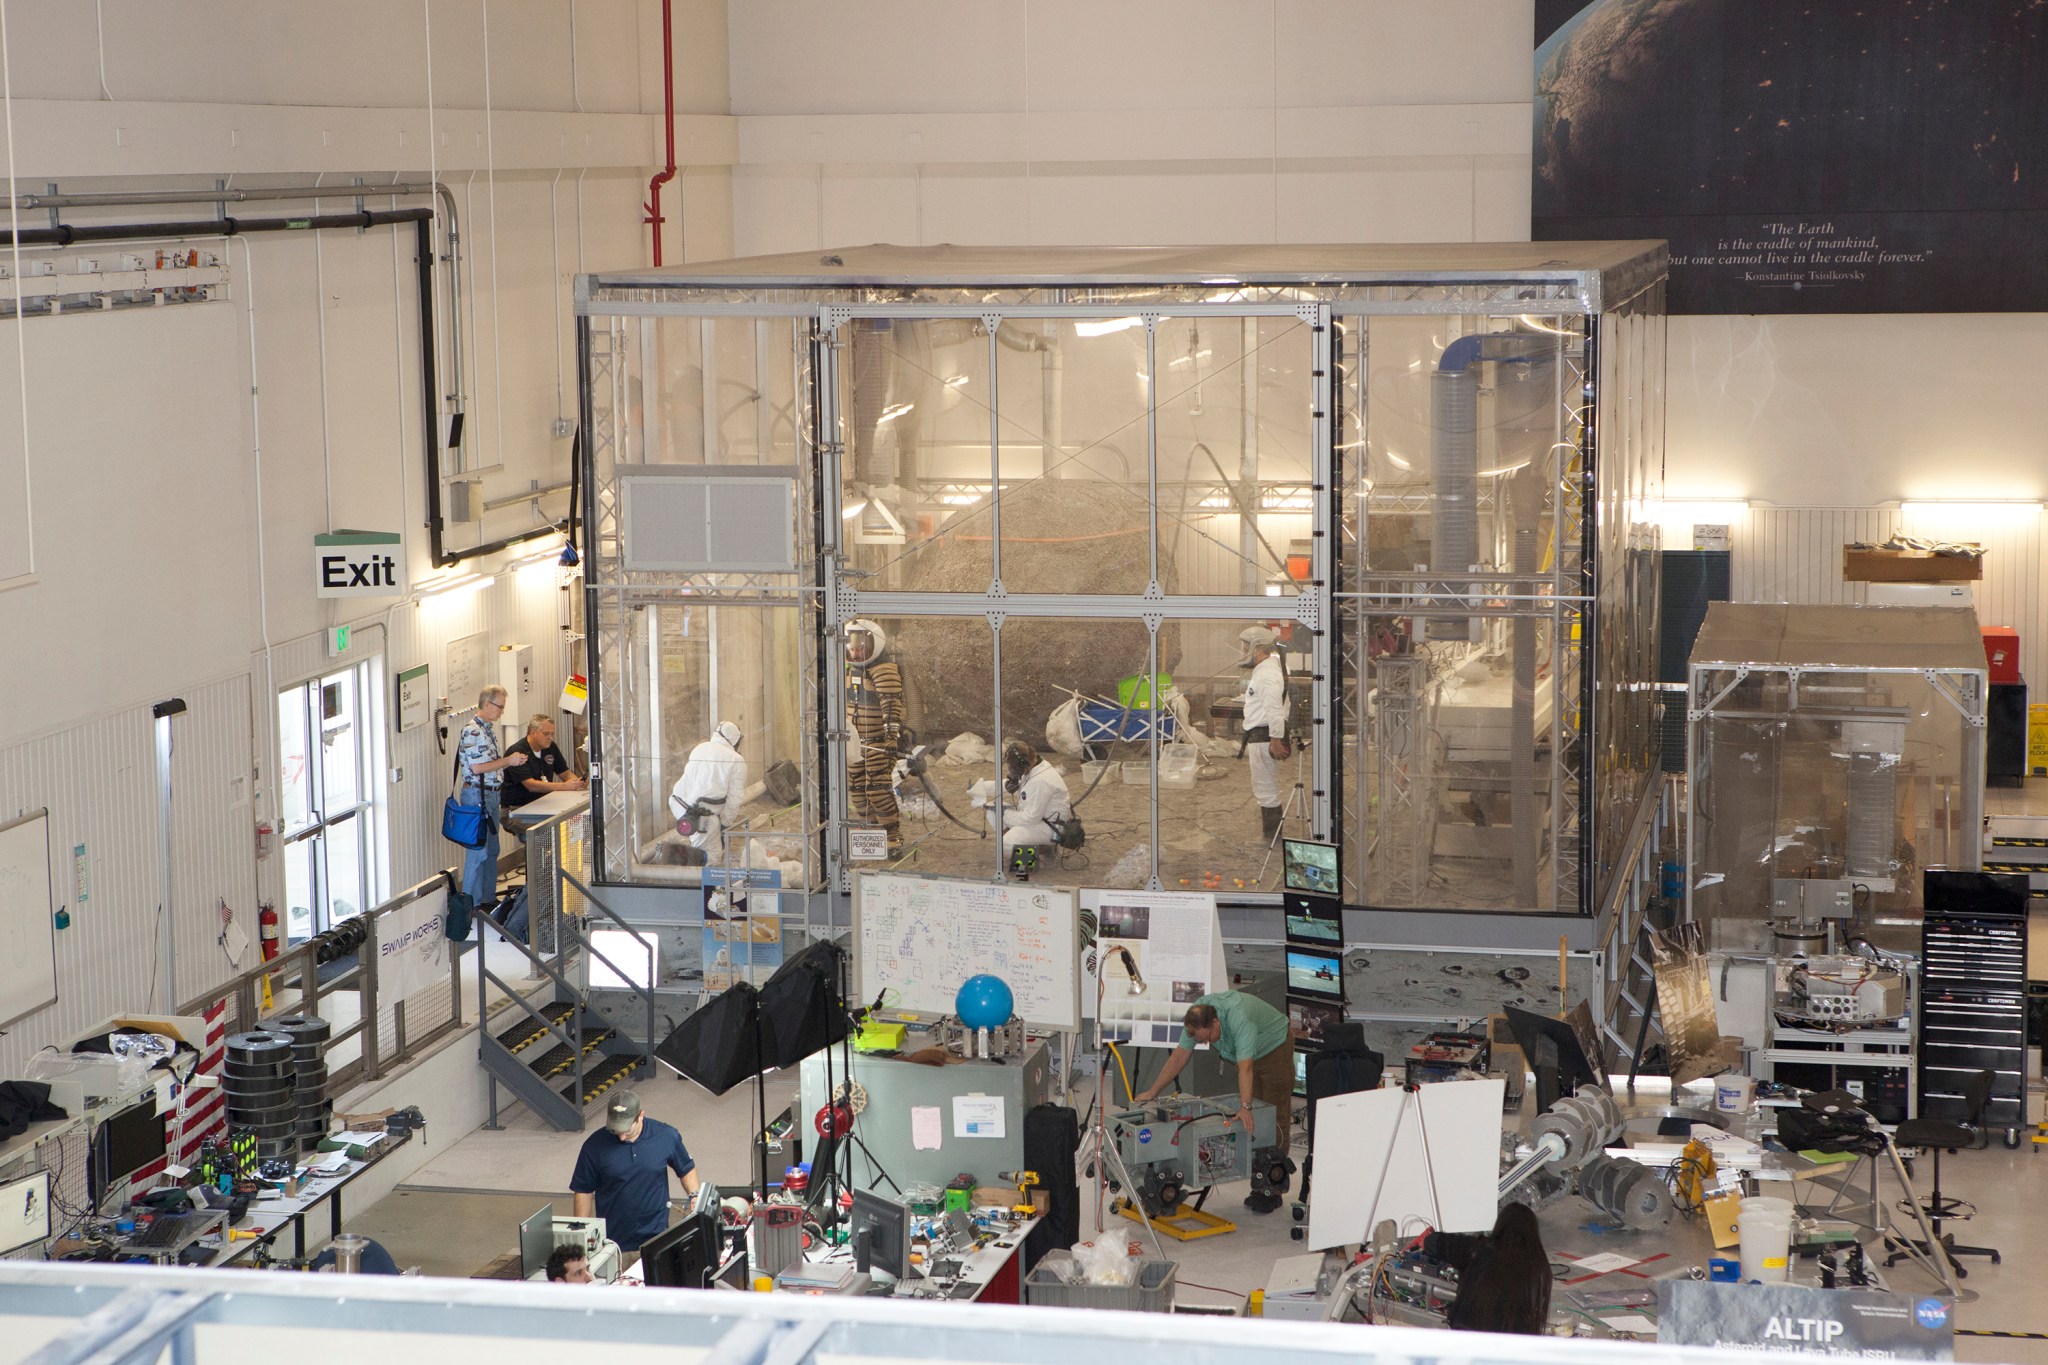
x,y
357,564
1790,1317
415,698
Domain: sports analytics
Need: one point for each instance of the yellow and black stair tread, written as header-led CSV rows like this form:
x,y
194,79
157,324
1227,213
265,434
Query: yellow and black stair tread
x,y
561,1057
526,1030
613,1069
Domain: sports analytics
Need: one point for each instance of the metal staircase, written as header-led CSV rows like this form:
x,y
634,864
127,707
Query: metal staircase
x,y
557,1057
2019,843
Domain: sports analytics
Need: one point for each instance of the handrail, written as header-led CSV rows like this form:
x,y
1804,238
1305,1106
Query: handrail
x,y
590,898
298,967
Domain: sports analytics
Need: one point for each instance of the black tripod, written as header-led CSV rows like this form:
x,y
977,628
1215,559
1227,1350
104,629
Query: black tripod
x,y
845,1144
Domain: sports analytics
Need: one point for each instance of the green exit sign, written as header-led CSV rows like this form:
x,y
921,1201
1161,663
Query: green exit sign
x,y
337,642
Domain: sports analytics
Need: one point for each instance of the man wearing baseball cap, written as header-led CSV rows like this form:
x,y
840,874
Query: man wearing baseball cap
x,y
622,1172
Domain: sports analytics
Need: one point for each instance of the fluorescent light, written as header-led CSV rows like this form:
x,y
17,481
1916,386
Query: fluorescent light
x,y
1106,326
958,381
1272,590
960,499
551,556
1397,461
854,508
1990,507
1215,500
893,411
460,584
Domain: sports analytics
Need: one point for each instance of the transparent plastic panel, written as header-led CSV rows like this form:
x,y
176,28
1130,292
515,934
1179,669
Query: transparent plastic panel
x,y
1466,528
723,392
1852,777
687,667
914,406
1235,497
918,695
1214,785
1074,398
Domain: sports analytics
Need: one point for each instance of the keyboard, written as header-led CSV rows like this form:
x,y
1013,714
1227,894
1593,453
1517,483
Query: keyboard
x,y
165,1231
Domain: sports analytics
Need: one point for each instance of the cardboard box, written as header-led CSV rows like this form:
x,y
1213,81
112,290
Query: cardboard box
x,y
1909,566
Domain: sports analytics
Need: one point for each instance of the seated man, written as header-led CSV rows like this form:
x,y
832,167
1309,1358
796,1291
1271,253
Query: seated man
x,y
568,1265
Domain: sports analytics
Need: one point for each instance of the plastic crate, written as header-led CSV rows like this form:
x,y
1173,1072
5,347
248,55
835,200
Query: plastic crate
x,y
1151,1292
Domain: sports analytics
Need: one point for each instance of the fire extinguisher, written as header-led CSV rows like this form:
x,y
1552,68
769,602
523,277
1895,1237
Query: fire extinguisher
x,y
267,930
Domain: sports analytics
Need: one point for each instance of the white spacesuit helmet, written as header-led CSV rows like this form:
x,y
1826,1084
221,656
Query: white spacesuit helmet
x,y
730,733
877,642
1251,640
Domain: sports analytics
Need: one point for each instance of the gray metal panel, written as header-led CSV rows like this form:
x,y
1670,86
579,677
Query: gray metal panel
x,y
665,522
895,1087
1777,634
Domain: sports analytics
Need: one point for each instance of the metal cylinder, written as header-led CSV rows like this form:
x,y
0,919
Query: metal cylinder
x,y
348,1253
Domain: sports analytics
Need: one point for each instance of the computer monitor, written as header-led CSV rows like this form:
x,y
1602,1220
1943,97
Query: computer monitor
x,y
881,1235
1310,868
123,1144
1554,1052
1311,1019
734,1273
1312,920
536,1241
684,1257
1314,972
25,1212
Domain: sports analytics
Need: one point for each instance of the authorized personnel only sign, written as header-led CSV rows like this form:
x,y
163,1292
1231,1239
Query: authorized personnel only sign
x,y
357,564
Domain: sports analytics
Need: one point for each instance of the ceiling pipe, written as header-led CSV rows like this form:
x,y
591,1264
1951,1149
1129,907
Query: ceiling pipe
x,y
222,195
668,104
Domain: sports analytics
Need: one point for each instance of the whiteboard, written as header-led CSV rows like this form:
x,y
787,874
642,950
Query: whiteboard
x,y
28,938
467,658
921,937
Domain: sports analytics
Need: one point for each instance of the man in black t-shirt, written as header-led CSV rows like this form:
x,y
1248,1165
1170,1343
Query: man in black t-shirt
x,y
545,771
548,772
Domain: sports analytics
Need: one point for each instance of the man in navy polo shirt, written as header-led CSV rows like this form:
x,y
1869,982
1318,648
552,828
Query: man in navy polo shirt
x,y
622,1173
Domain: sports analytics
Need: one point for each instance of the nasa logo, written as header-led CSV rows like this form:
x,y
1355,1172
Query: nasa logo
x,y
1144,1135
1931,1314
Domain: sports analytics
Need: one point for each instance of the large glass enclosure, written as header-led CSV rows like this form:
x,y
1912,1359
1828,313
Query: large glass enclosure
x,y
1833,753
1062,517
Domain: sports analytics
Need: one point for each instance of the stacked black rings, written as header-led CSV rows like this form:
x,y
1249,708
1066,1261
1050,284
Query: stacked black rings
x,y
314,1110
260,1080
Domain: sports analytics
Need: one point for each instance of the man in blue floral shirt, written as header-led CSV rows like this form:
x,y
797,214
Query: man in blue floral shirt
x,y
483,777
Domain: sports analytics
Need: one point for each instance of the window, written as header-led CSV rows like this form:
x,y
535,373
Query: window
x,y
330,747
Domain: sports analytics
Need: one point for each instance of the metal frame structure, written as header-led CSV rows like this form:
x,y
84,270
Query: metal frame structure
x,y
1333,292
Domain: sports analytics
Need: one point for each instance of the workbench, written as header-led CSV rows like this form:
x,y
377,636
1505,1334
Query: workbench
x,y
269,1215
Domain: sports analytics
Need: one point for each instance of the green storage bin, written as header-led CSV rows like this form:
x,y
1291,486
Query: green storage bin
x,y
1136,692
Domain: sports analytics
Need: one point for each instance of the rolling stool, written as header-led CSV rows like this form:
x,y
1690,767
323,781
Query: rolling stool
x,y
1935,1134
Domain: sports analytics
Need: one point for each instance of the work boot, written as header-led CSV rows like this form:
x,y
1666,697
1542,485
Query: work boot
x,y
1269,822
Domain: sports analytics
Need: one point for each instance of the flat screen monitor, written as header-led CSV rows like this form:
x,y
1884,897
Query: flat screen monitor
x,y
733,1274
1312,919
1313,972
1554,1053
1301,1073
622,961
25,1212
881,1234
536,1241
684,1257
123,1144
1311,1019
1310,868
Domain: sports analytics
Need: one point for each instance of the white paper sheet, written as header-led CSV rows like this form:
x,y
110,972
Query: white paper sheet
x,y
1604,1262
978,1116
1631,1322
927,1127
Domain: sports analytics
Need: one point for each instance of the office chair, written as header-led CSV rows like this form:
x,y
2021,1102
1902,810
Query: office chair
x,y
1935,1134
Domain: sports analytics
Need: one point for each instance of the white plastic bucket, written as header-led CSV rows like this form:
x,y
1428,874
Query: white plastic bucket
x,y
1765,1226
1734,1094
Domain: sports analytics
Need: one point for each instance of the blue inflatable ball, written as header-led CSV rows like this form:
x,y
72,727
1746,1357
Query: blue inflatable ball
x,y
984,1002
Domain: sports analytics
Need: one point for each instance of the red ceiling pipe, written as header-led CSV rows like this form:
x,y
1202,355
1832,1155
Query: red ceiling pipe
x,y
668,102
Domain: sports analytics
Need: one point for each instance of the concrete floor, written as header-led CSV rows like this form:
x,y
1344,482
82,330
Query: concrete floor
x,y
461,1211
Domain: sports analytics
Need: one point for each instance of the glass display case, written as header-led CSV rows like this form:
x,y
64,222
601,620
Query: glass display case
x,y
1064,497
1833,753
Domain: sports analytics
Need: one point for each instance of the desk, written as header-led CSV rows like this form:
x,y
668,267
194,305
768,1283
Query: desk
x,y
268,1216
989,1274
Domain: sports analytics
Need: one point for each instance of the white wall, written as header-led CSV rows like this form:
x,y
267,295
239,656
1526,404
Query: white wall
x,y
1145,121
181,459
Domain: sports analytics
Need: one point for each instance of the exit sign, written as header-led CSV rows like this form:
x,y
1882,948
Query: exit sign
x,y
357,564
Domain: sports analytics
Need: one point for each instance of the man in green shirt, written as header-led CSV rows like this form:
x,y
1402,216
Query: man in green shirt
x,y
1246,1030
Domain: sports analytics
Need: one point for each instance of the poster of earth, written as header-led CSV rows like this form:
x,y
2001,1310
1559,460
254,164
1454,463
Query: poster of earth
x,y
1824,156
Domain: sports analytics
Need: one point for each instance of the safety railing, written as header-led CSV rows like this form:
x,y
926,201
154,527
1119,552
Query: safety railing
x,y
292,983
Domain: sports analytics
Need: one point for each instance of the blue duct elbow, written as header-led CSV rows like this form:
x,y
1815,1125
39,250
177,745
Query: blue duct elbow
x,y
1460,354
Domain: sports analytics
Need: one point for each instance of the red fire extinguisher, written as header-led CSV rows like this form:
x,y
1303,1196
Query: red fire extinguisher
x,y
267,930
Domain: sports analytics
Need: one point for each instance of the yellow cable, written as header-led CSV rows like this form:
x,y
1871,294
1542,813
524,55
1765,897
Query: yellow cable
x,y
1130,1095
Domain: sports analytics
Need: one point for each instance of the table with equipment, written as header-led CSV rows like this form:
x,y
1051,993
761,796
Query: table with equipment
x,y
270,1213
